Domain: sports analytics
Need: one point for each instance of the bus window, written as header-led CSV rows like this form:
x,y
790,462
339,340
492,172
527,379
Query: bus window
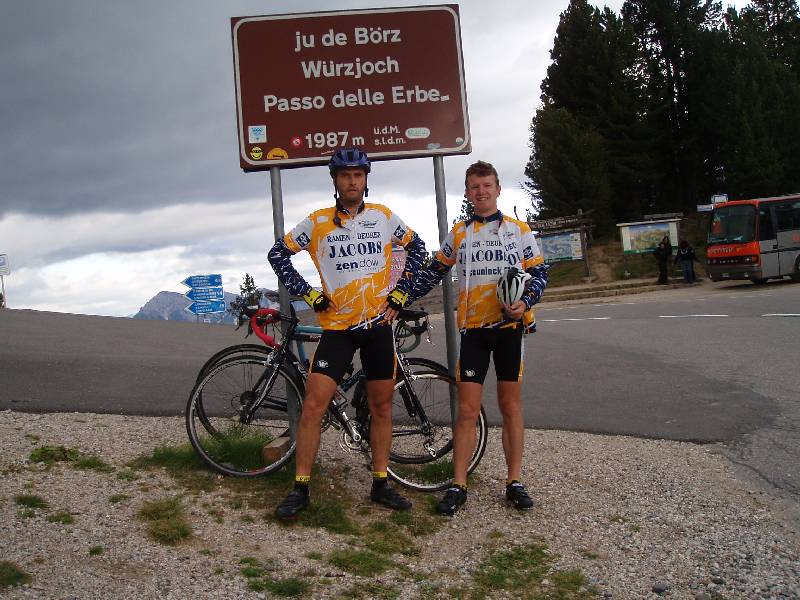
x,y
765,229
787,215
733,224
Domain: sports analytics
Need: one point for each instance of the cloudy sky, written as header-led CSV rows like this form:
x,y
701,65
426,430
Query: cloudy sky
x,y
119,172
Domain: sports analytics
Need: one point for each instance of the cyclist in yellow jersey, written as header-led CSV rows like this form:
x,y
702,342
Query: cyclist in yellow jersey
x,y
485,248
351,246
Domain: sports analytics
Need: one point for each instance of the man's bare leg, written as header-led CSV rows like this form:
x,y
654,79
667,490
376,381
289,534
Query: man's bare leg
x,y
469,406
510,403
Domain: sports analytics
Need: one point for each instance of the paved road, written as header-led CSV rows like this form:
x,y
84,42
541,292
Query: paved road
x,y
711,363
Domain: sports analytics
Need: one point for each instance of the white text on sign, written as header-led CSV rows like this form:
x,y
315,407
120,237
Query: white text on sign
x,y
361,36
359,97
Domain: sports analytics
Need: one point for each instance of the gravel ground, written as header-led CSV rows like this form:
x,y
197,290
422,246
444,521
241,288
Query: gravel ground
x,y
636,517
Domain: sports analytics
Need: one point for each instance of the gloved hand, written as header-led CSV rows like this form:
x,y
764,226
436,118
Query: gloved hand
x,y
397,299
317,300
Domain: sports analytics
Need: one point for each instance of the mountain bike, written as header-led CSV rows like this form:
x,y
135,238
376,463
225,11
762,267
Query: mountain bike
x,y
243,409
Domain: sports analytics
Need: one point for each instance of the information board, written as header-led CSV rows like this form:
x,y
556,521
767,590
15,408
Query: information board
x,y
390,81
561,246
643,237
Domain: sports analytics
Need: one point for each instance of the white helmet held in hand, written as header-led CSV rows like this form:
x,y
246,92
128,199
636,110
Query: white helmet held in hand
x,y
511,286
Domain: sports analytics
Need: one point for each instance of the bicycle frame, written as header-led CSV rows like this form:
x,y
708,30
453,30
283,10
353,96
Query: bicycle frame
x,y
302,333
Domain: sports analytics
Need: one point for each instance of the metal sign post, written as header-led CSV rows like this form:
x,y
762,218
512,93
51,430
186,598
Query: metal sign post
x,y
5,269
450,329
278,230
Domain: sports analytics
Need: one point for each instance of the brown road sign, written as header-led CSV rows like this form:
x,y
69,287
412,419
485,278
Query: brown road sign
x,y
390,81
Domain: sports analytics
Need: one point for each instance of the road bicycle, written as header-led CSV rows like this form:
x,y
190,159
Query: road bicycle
x,y
243,409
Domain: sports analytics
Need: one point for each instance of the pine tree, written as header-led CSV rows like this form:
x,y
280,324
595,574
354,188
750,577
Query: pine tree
x,y
249,295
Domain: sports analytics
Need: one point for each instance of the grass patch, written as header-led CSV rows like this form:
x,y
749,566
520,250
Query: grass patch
x,y
359,562
32,437
526,572
61,517
238,445
251,571
96,550
166,520
431,472
11,575
385,537
258,579
417,522
328,514
127,475
90,462
31,501
289,587
117,498
49,455
314,555
566,273
172,458
26,513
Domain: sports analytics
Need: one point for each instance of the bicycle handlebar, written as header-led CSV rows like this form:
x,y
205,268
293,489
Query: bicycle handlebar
x,y
260,320
262,317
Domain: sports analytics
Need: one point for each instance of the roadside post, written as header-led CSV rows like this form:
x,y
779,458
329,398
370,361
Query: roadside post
x,y
5,269
206,294
389,81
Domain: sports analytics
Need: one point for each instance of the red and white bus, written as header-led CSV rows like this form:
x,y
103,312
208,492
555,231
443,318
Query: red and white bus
x,y
755,239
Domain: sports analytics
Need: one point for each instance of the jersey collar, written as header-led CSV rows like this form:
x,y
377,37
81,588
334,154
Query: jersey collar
x,y
348,217
475,218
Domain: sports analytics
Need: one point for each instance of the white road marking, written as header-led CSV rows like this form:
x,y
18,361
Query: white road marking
x,y
781,315
585,319
686,316
616,304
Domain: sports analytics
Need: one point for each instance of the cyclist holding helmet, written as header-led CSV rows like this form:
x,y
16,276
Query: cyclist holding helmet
x,y
501,275
351,246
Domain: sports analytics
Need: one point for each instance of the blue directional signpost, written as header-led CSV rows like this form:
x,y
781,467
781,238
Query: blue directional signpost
x,y
202,308
206,294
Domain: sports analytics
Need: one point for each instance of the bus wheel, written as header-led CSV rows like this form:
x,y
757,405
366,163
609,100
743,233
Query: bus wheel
x,y
796,275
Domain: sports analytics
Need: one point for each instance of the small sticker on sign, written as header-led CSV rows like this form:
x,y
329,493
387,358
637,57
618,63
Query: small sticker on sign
x,y
257,134
277,153
418,132
256,153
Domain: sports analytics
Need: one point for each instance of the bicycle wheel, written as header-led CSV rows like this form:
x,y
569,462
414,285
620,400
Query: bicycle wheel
x,y
229,444
238,351
421,456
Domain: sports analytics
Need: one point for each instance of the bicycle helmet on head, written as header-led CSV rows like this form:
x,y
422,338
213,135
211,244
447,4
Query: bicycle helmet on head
x,y
511,286
348,158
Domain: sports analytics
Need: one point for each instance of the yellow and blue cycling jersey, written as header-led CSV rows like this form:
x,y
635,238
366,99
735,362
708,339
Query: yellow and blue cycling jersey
x,y
353,255
482,249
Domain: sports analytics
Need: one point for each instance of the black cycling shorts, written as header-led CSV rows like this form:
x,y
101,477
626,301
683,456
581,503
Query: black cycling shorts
x,y
337,348
504,344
